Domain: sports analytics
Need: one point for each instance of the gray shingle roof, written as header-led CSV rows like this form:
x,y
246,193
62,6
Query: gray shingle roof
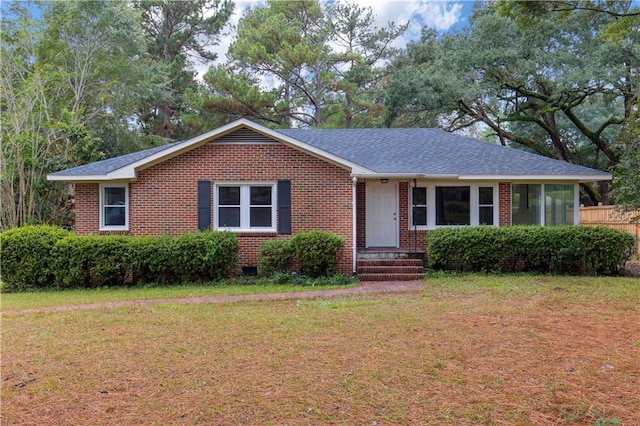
x,y
109,165
409,151
431,152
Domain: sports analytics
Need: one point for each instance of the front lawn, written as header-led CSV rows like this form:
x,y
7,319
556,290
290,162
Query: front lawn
x,y
479,349
43,299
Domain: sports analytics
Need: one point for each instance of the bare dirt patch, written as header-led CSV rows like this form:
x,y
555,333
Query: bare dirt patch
x,y
453,355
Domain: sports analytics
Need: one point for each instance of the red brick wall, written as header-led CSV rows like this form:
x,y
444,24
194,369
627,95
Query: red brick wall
x,y
504,197
163,200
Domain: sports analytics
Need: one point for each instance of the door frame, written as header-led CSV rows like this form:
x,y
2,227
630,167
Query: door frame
x,y
393,222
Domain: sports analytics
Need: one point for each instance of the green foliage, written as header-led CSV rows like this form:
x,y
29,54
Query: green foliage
x,y
43,256
317,252
274,256
575,250
27,256
303,280
91,261
153,260
322,60
626,178
178,32
556,88
204,256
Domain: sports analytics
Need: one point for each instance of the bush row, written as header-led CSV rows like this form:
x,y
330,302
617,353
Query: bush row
x,y
315,252
43,256
576,250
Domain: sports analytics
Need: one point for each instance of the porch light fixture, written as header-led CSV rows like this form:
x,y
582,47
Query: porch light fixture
x,y
384,180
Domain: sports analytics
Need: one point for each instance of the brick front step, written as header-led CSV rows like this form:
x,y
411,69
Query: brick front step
x,y
399,269
390,269
390,262
390,277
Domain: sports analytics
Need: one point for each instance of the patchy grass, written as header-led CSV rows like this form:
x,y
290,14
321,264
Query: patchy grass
x,y
42,299
468,350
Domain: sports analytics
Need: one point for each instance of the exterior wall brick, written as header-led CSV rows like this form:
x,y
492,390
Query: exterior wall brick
x,y
504,196
163,200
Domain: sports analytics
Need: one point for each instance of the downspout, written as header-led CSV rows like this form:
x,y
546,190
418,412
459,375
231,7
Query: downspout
x,y
354,181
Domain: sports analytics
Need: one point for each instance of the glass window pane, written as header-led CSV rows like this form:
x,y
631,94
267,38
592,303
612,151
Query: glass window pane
x,y
114,216
485,215
485,195
419,216
453,205
229,217
229,195
260,217
525,204
114,196
558,205
260,196
419,196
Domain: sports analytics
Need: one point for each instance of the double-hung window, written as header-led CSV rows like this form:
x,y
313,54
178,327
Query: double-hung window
x,y
434,205
114,207
245,206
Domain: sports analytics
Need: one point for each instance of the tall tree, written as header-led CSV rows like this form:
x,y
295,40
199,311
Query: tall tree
x,y
624,26
61,77
306,64
99,48
179,35
555,88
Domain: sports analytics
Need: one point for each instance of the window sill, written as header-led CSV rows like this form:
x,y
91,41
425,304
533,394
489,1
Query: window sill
x,y
113,228
249,230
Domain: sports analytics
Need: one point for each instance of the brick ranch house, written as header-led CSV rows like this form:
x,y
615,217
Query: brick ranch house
x,y
381,189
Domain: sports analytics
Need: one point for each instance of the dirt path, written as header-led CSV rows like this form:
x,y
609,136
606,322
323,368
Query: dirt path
x,y
362,288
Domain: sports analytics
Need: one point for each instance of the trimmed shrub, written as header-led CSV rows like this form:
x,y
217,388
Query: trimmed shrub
x,y
317,252
275,256
205,256
91,261
562,250
36,257
152,260
27,260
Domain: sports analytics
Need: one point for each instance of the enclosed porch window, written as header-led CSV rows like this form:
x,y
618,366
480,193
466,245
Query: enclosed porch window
x,y
543,204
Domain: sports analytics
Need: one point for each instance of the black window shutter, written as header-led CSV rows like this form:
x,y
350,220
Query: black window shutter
x,y
284,207
204,205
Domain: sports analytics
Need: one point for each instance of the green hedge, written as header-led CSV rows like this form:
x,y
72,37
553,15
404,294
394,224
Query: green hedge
x,y
26,259
40,256
92,261
317,252
274,256
576,250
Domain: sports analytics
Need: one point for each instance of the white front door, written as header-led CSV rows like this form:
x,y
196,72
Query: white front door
x,y
382,214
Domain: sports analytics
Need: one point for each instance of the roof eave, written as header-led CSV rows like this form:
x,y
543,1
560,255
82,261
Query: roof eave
x,y
379,175
568,178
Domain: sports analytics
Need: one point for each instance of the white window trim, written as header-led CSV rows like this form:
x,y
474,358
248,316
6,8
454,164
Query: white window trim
x,y
245,206
474,204
543,201
102,226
